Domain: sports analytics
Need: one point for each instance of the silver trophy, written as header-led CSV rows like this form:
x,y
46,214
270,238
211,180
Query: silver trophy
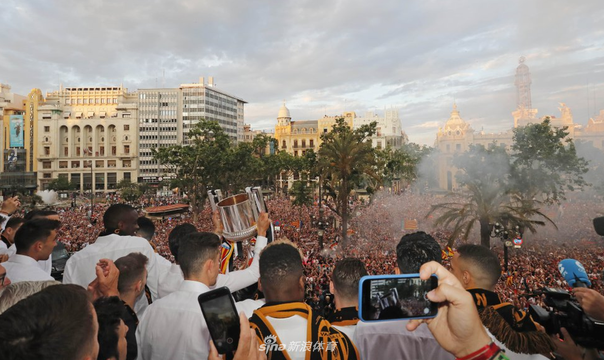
x,y
239,213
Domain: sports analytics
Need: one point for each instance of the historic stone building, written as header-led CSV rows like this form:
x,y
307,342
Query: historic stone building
x,y
89,136
457,135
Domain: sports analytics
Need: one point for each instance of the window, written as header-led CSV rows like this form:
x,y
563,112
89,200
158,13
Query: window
x,y
295,144
47,175
126,163
47,150
458,147
62,164
312,143
111,163
77,151
296,153
75,164
65,151
127,176
379,144
99,164
126,149
46,165
126,127
102,151
114,150
46,128
284,146
303,143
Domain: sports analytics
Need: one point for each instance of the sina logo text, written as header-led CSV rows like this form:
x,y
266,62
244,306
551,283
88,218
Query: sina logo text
x,y
271,344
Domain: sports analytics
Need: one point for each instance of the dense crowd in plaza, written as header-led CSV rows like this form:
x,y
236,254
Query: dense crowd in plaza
x,y
374,232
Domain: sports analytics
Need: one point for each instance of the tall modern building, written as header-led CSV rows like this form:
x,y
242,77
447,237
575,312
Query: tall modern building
x,y
159,111
89,136
167,115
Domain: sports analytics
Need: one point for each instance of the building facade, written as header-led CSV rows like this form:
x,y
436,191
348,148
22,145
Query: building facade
x,y
457,135
389,132
88,135
166,116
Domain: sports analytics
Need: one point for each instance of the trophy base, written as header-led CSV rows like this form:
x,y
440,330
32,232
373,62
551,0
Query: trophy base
x,y
241,235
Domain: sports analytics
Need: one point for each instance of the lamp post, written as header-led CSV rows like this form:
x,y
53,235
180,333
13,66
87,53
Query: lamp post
x,y
91,192
503,234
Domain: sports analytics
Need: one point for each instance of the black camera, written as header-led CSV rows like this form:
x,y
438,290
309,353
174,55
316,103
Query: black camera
x,y
567,313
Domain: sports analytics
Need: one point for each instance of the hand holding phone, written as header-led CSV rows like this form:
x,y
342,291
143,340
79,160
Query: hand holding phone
x,y
248,348
220,313
394,297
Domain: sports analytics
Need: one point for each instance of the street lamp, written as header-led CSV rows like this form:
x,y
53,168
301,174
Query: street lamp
x,y
503,234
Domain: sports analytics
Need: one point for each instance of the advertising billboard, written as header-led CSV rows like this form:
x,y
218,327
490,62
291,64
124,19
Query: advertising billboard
x,y
16,131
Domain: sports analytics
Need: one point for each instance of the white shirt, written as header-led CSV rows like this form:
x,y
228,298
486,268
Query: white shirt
x,y
349,330
392,340
174,328
3,248
45,265
235,280
292,332
80,268
24,268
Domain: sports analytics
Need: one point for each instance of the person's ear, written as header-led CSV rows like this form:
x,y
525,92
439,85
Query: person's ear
x,y
331,288
259,285
466,277
397,271
138,287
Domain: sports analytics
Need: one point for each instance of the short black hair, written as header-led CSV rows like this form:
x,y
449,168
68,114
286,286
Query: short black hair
x,y
177,234
34,230
416,249
346,275
55,323
280,263
14,222
38,214
146,228
195,250
484,259
109,312
113,215
132,269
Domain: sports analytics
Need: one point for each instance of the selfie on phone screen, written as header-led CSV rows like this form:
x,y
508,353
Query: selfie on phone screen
x,y
387,298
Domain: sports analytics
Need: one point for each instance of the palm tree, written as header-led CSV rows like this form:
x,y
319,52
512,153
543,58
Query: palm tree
x,y
486,203
345,161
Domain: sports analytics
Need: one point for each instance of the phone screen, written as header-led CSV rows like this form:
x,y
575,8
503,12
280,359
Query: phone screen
x,y
392,297
222,319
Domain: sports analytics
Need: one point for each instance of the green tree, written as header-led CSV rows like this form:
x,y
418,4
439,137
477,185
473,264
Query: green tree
x,y
201,164
344,160
487,198
129,191
403,164
545,162
301,193
61,184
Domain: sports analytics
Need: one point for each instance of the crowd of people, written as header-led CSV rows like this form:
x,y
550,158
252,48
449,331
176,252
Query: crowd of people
x,y
375,229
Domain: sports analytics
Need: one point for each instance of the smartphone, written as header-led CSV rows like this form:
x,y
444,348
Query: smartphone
x,y
395,297
220,313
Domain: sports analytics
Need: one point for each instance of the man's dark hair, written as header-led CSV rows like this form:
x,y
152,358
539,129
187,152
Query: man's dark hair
x,y
114,214
132,269
32,231
55,323
346,276
179,232
14,222
484,259
280,264
195,249
146,228
109,312
416,249
39,214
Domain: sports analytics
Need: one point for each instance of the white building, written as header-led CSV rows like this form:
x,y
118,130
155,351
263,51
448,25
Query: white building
x,y
89,136
389,131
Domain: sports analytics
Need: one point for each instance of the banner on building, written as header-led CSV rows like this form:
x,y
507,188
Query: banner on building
x,y
16,131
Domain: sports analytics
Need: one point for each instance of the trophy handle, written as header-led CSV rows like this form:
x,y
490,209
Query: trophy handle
x,y
215,196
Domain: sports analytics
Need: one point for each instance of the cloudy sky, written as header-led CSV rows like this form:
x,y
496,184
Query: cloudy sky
x,y
321,56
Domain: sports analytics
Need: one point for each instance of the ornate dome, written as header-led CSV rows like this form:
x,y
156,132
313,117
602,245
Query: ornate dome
x,y
455,121
283,112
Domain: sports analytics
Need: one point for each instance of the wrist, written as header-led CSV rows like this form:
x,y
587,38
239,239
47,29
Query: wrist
x,y
478,351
